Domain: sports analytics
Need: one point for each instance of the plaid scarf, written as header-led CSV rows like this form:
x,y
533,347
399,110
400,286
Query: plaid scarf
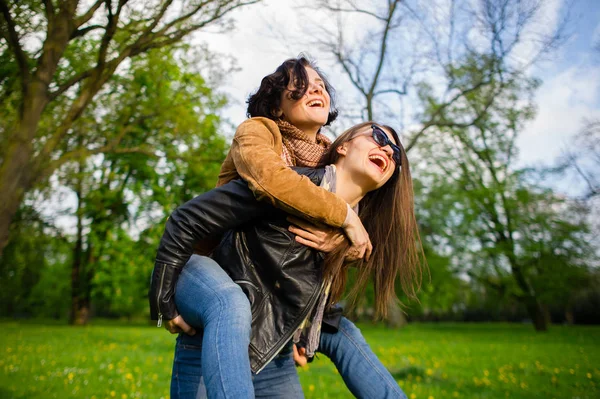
x,y
298,148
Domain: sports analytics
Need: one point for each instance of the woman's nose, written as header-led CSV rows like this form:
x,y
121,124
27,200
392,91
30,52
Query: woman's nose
x,y
388,150
315,88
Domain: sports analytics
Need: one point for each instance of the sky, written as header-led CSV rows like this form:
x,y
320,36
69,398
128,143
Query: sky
x,y
570,89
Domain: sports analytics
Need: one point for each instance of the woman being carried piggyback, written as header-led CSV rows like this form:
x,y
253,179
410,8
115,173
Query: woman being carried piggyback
x,y
211,300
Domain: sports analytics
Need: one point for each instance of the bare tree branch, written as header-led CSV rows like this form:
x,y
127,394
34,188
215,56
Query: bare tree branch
x,y
86,16
82,32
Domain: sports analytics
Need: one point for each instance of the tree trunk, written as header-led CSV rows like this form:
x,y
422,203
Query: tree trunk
x,y
569,315
537,314
80,303
395,317
16,175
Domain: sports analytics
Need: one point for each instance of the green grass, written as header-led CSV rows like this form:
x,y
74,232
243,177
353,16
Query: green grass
x,y
428,360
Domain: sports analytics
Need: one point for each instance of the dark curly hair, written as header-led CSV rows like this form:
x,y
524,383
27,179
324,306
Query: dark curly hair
x,y
267,99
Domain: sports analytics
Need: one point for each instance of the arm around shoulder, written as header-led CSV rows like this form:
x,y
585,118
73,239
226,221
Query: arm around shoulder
x,y
256,152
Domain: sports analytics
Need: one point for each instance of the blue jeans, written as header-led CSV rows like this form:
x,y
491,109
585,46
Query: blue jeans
x,y
210,301
363,373
206,296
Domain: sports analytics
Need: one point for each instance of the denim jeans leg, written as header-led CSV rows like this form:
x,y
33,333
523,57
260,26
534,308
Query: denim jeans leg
x,y
187,381
363,373
279,379
209,300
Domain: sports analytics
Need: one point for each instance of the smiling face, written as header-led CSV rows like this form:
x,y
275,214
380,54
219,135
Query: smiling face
x,y
310,112
370,165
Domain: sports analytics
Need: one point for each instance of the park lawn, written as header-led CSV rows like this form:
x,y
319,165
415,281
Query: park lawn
x,y
428,360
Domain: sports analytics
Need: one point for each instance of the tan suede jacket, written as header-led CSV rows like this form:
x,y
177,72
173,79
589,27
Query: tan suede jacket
x,y
255,156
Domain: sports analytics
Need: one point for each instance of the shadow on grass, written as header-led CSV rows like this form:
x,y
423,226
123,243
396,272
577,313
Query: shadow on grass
x,y
403,373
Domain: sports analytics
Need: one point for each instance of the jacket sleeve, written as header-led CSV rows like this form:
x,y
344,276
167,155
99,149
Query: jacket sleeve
x,y
254,154
209,214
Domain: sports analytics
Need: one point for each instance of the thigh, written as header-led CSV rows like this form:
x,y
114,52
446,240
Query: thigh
x,y
204,289
279,379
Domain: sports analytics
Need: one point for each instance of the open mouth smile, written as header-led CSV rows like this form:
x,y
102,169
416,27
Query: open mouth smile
x,y
316,103
380,161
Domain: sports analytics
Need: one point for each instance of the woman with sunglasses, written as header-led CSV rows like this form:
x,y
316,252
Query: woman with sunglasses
x,y
287,283
262,144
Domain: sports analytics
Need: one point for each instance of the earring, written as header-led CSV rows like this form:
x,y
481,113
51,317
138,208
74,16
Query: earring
x,y
277,113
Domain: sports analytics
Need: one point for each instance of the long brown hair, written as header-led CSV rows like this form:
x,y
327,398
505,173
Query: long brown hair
x,y
388,216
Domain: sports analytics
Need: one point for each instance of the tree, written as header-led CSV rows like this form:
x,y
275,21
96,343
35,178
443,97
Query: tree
x,y
162,103
505,231
46,88
583,158
402,46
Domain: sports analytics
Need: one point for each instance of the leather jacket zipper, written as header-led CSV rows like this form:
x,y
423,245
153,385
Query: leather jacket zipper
x,y
287,337
162,279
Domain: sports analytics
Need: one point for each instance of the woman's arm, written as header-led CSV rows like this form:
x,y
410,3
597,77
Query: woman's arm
x,y
255,155
209,214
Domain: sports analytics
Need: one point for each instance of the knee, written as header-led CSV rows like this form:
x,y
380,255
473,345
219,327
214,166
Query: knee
x,y
348,336
197,262
348,329
233,307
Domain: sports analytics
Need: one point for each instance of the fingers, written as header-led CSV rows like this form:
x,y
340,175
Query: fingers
x,y
369,250
178,325
308,243
305,224
186,328
300,356
303,233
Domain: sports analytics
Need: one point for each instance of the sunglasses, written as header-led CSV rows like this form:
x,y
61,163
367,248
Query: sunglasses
x,y
382,140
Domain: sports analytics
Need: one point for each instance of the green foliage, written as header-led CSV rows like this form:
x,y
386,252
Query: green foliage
x,y
499,227
162,108
35,281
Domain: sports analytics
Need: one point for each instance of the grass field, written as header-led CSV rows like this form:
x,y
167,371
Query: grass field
x,y
428,360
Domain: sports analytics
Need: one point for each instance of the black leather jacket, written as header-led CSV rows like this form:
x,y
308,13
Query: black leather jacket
x,y
281,278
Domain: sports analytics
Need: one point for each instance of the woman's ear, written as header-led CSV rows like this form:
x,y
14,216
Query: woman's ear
x,y
342,149
277,113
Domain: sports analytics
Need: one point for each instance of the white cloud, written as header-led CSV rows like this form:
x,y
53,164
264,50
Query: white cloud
x,y
563,102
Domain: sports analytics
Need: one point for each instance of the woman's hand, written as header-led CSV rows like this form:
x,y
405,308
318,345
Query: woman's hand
x,y
300,356
178,325
320,237
359,238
